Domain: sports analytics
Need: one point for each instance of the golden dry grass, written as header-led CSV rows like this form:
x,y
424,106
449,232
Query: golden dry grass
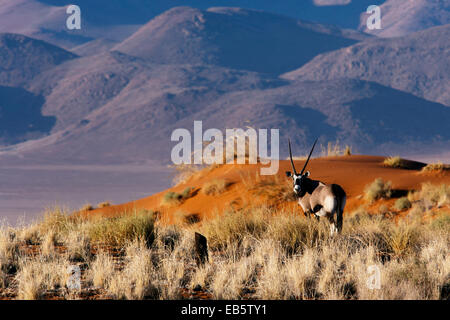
x,y
334,149
255,253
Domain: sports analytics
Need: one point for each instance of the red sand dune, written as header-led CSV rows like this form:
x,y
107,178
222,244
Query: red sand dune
x,y
353,173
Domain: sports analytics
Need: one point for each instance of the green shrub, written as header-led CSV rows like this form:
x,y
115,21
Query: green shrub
x,y
174,198
377,190
402,204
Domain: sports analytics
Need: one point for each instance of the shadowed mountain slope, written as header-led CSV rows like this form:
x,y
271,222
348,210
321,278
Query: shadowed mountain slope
x,y
22,58
20,116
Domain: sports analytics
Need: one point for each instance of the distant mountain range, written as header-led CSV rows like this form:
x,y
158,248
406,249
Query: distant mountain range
x,y
233,38
118,100
418,63
400,17
115,20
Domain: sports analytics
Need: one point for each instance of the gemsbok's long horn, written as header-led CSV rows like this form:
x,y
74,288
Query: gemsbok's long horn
x,y
307,160
290,155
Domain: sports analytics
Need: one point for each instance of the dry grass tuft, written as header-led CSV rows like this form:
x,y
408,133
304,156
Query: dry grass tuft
x,y
37,276
134,282
335,149
119,230
233,226
101,270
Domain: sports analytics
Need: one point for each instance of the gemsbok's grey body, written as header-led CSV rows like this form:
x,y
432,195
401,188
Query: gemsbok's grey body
x,y
316,197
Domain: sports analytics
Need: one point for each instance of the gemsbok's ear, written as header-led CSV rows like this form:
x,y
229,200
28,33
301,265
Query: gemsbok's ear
x,y
307,173
288,174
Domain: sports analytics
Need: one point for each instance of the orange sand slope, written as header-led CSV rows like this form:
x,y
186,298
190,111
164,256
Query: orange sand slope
x,y
353,173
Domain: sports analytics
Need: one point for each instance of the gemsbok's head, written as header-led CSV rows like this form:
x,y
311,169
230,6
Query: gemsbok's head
x,y
299,179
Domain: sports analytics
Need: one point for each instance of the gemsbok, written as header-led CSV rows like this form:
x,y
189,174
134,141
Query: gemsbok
x,y
316,197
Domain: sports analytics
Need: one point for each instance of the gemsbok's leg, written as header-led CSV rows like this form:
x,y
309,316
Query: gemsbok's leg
x,y
333,227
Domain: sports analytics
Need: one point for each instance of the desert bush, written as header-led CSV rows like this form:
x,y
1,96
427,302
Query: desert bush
x,y
395,162
435,167
214,187
171,199
119,230
417,212
87,207
377,190
437,195
402,204
174,198
104,204
441,222
431,195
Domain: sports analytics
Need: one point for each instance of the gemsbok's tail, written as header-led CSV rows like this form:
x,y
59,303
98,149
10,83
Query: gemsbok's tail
x,y
341,198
